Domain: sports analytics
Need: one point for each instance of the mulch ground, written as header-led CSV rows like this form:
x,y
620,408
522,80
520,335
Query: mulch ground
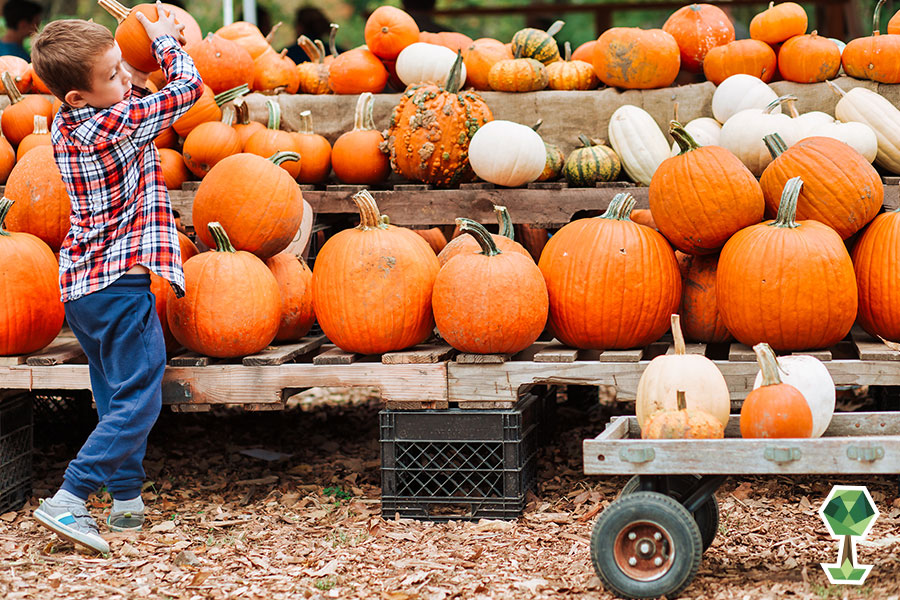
x,y
305,522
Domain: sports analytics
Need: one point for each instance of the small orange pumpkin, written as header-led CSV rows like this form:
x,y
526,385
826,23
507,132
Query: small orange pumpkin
x,y
458,42
17,120
160,287
315,151
175,172
243,125
313,74
435,238
776,409
210,142
40,136
248,36
682,423
697,28
270,140
295,283
207,108
571,74
518,75
42,204
466,244
357,156
750,57
274,72
632,58
130,34
779,23
222,64
7,159
809,59
585,52
356,71
701,318
873,57
166,139
22,73
483,54
389,30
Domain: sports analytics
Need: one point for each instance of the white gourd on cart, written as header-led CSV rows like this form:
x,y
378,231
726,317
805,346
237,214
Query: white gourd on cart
x,y
743,134
811,377
421,62
639,142
858,136
507,153
741,92
865,106
705,131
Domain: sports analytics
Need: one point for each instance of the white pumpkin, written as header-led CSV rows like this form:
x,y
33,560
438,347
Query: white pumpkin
x,y
810,124
811,377
506,153
705,132
639,142
703,384
743,135
865,106
421,62
741,92
858,136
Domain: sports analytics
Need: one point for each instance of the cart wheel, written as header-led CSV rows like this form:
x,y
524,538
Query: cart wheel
x,y
707,516
646,545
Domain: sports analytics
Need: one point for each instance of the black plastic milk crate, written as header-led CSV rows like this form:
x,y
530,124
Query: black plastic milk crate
x,y
438,465
16,446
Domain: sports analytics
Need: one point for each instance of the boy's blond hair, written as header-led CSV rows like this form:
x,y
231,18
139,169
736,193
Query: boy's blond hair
x,y
64,53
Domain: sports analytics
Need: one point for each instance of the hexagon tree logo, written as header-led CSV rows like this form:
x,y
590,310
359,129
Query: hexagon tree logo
x,y
849,513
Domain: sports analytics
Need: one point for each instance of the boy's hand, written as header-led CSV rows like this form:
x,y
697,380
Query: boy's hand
x,y
165,25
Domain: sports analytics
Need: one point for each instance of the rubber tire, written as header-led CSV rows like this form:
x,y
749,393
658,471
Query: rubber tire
x,y
707,516
668,513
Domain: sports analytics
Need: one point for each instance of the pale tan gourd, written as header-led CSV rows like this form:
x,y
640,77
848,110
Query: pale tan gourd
x,y
865,106
639,142
700,379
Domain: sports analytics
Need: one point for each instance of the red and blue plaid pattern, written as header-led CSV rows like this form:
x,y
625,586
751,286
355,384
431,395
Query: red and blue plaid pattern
x,y
121,216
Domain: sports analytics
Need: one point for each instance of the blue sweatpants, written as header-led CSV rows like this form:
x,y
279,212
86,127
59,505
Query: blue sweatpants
x,y
122,338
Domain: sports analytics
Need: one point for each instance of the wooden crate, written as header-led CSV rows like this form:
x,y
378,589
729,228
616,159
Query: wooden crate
x,y
854,443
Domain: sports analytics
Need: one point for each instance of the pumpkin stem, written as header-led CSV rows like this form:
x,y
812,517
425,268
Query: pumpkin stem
x,y
506,225
228,114
777,102
322,54
10,86
684,139
568,49
792,108
537,125
481,235
787,210
40,125
677,335
283,53
233,93
241,111
223,244
837,90
768,364
775,144
332,45
272,31
308,46
5,205
306,122
274,110
876,18
675,112
362,119
283,156
454,79
620,207
369,217
115,9
585,140
558,25
680,400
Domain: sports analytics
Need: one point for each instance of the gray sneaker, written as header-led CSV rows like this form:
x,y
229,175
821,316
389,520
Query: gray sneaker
x,y
73,523
125,520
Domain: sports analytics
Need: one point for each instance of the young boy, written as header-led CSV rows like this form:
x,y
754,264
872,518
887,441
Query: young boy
x,y
121,229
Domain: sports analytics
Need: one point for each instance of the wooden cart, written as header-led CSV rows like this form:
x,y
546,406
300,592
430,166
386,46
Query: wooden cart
x,y
650,540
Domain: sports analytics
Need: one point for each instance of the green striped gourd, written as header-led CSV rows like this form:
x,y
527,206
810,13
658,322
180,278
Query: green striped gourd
x,y
590,164
537,44
555,159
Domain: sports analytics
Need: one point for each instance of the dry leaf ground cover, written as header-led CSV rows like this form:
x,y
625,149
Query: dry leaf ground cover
x,y
307,524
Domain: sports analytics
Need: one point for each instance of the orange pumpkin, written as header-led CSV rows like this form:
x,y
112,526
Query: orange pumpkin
x,y
223,64
894,24
750,57
809,59
356,156
258,201
31,314
315,151
466,244
275,72
42,203
571,74
458,42
246,35
612,283
643,216
191,31
210,142
232,304
267,142
435,238
701,319
37,84
778,23
533,239
840,187
130,34
17,119
40,136
243,125
790,283
166,139
702,196
207,108
682,423
878,276
873,57
697,29
430,129
632,58
388,31
776,409
7,159
356,71
518,75
22,74
313,75
483,54
160,287
504,312
390,268
175,172
585,52
295,283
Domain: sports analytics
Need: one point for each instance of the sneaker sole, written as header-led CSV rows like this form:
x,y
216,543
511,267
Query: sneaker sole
x,y
70,535
125,529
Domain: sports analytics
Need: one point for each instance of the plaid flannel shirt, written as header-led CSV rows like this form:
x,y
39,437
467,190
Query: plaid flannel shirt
x,y
121,216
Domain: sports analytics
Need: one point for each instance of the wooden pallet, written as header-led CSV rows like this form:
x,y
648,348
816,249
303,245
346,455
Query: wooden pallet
x,y
854,443
497,380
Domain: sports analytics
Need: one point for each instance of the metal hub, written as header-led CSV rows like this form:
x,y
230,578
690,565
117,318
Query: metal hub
x,y
643,550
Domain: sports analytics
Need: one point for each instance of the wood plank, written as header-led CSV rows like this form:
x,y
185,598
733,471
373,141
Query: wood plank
x,y
16,377
481,359
190,359
278,355
190,186
336,356
57,354
823,355
689,349
741,353
344,189
411,187
554,353
480,185
621,356
871,348
548,185
421,354
11,361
